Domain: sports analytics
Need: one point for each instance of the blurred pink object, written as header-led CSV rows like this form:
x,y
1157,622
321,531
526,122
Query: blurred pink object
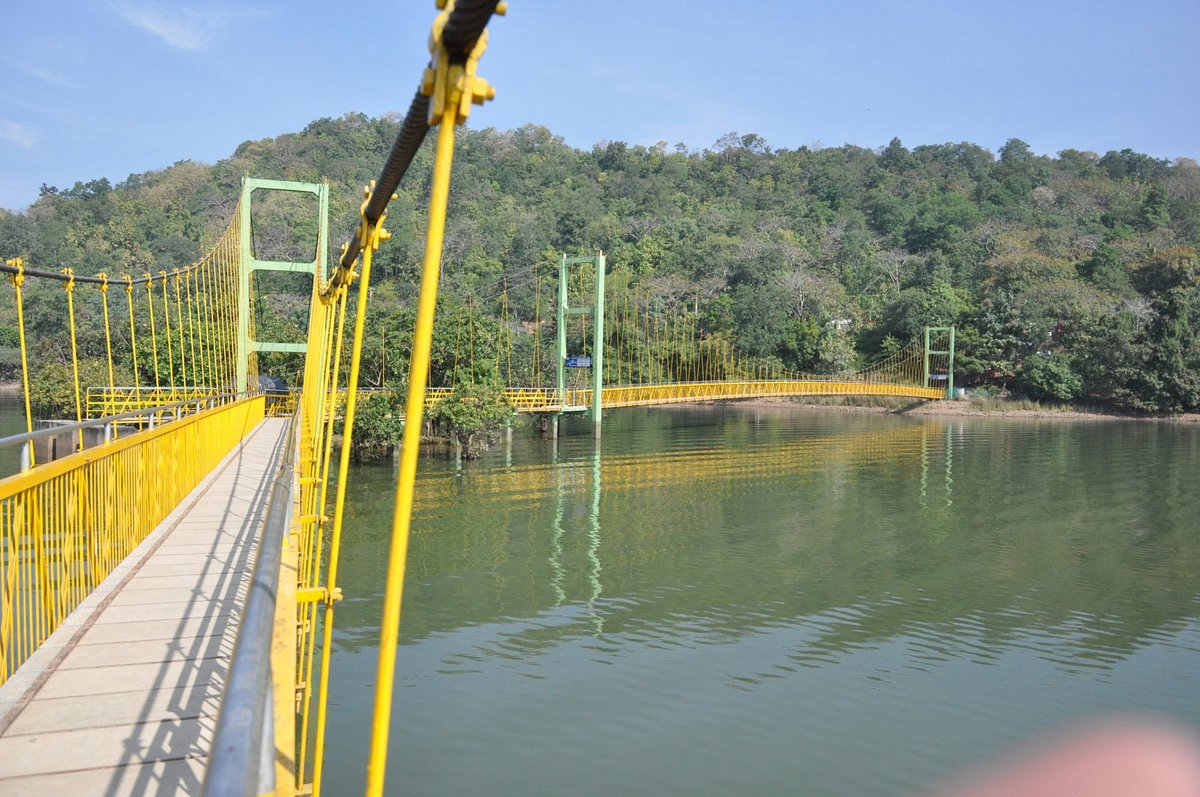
x,y
1111,759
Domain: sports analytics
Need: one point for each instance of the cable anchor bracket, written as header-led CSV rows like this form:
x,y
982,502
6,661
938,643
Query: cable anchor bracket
x,y
451,84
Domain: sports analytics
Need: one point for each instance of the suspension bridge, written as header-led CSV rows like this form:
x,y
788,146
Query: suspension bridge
x,y
169,548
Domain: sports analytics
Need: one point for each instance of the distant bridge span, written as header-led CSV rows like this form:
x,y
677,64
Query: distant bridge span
x,y
550,400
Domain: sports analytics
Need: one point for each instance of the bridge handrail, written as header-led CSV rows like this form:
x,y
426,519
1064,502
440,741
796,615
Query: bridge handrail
x,y
66,524
58,276
210,400
242,759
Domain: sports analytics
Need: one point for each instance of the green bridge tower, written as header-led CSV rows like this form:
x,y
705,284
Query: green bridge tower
x,y
596,311
246,344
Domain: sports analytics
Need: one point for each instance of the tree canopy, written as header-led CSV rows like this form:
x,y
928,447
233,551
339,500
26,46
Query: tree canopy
x,y
1068,277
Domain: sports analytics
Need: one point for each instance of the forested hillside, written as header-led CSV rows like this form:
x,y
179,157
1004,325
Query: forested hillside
x,y
1069,278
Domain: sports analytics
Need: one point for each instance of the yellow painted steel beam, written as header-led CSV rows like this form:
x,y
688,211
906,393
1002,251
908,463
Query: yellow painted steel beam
x,y
452,86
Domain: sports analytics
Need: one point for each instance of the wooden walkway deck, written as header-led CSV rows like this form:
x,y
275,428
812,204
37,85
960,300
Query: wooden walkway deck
x,y
123,697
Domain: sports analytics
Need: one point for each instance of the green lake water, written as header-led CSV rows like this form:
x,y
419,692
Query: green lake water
x,y
12,422
732,600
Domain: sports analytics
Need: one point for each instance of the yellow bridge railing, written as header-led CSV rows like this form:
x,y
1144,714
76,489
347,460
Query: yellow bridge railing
x,y
647,395
102,402
548,399
66,524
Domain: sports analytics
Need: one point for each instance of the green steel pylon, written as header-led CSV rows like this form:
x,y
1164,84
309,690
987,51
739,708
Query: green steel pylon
x,y
948,351
597,313
246,344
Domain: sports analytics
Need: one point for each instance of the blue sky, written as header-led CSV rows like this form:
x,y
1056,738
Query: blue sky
x,y
107,88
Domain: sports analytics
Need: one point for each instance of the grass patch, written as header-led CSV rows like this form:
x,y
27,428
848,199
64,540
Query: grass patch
x,y
989,403
996,401
885,402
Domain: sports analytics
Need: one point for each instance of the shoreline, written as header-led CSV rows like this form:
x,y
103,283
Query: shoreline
x,y
945,408
948,409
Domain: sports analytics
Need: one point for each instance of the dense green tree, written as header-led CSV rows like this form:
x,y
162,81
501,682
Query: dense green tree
x,y
1154,212
941,220
1171,278
474,414
1050,376
895,157
810,257
1106,269
1130,165
378,425
915,308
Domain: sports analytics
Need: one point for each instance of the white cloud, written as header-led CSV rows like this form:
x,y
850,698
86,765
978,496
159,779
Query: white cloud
x,y
184,28
16,133
43,75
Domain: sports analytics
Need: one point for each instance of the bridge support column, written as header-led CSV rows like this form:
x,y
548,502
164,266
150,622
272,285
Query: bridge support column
x,y
598,347
247,346
950,368
596,311
947,352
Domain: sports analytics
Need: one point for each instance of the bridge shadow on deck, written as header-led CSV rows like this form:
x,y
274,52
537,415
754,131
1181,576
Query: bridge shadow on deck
x,y
192,674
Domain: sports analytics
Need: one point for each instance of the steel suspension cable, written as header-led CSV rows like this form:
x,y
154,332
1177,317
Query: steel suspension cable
x,y
203,290
183,369
341,295
373,236
70,289
225,289
137,378
167,324
153,334
192,331
112,382
18,280
457,45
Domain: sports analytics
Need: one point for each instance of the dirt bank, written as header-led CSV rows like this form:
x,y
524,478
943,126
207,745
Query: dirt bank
x,y
963,408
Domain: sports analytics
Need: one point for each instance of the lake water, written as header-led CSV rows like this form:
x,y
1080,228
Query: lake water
x,y
12,421
766,601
